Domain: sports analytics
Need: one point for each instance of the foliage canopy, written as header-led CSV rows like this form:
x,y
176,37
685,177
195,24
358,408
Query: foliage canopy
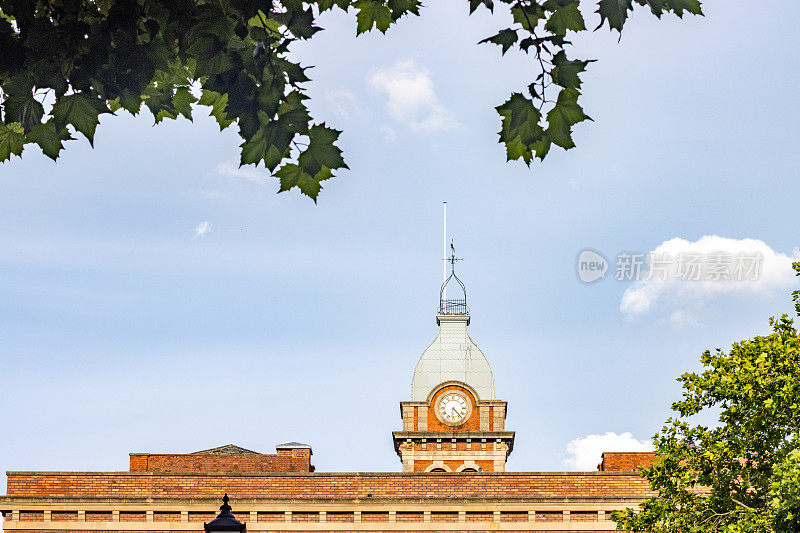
x,y
742,474
63,63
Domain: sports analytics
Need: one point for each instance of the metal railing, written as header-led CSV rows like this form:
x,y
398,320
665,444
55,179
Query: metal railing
x,y
453,307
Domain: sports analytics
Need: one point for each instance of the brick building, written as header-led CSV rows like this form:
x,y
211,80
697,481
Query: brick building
x,y
453,447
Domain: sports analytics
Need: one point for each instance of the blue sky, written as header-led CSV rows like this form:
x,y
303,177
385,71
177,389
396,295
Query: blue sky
x,y
126,325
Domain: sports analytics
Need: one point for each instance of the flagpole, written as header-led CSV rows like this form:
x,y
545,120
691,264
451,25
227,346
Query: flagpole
x,y
444,253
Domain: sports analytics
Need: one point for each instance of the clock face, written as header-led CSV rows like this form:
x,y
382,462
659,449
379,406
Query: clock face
x,y
453,408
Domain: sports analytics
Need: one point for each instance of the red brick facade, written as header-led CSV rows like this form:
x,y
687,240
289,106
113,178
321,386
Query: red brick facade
x,y
292,460
325,485
625,461
161,495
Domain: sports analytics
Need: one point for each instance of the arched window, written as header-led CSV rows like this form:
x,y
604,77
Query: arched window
x,y
469,470
438,470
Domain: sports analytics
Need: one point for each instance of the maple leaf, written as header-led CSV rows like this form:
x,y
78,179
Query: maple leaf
x,y
49,138
657,7
218,102
565,17
183,101
565,72
321,151
292,175
473,5
505,38
565,114
615,12
81,111
372,13
527,15
325,5
520,129
12,140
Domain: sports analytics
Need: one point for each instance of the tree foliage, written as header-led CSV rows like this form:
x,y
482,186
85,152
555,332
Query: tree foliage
x,y
64,63
742,474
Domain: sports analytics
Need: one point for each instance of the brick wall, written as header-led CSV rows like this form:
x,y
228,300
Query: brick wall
x,y
625,461
290,460
309,485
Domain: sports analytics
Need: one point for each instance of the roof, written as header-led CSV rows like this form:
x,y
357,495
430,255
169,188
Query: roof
x,y
228,449
452,357
291,445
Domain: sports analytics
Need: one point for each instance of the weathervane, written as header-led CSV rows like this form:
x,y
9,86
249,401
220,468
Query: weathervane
x,y
452,259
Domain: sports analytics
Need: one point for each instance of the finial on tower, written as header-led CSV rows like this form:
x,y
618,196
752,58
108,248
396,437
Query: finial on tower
x,y
458,305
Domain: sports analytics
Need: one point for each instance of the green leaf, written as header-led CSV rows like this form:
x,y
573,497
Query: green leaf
x,y
270,144
218,102
519,117
325,5
615,12
521,131
372,13
527,15
214,64
49,138
566,17
301,24
158,98
657,7
565,72
565,114
130,102
23,109
473,5
679,6
403,7
292,175
12,140
505,38
81,111
253,149
294,71
321,151
516,149
293,112
183,101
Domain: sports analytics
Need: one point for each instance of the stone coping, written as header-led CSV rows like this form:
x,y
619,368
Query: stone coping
x,y
608,473
335,499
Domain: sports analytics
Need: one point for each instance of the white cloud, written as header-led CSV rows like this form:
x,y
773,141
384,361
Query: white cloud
x,y
388,132
411,97
209,194
585,452
202,229
679,284
249,173
682,318
343,103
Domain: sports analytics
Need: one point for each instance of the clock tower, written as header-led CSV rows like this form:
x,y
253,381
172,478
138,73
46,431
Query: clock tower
x,y
453,422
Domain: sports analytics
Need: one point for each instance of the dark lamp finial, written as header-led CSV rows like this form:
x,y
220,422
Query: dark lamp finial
x,y
225,521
